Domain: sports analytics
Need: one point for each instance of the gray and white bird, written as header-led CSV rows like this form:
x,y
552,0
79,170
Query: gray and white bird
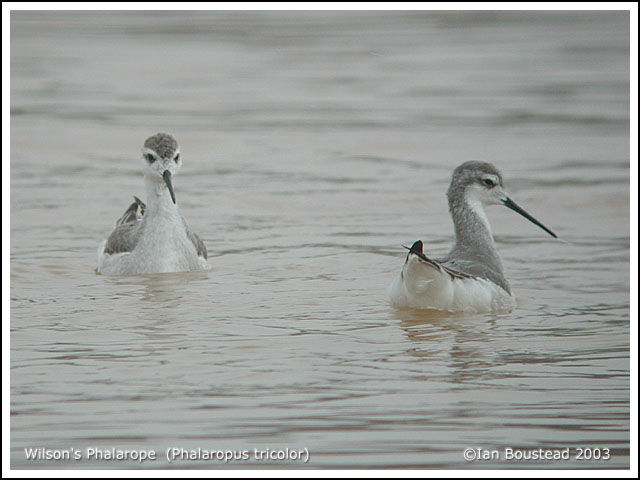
x,y
470,278
154,238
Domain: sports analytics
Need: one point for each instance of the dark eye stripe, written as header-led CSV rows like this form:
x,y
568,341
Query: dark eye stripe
x,y
150,158
177,158
488,182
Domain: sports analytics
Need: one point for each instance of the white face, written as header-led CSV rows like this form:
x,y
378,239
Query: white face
x,y
154,166
487,192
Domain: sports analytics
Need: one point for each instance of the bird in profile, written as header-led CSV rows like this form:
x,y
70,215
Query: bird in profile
x,y
154,237
470,278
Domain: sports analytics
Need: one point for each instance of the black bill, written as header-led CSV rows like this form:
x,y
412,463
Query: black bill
x,y
167,179
516,208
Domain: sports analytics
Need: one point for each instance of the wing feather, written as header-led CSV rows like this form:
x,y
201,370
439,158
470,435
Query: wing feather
x,y
124,237
201,248
416,249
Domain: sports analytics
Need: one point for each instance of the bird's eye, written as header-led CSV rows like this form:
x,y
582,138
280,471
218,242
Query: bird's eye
x,y
150,158
488,182
177,158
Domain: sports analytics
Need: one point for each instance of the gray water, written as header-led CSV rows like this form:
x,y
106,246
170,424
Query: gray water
x,y
315,144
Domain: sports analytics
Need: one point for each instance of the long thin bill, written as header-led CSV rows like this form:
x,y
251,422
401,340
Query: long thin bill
x,y
167,179
517,208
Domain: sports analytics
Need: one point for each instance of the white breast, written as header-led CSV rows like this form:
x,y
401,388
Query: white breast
x,y
163,248
420,285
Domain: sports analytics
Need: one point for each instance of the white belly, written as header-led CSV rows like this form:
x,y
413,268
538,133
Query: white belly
x,y
423,286
153,254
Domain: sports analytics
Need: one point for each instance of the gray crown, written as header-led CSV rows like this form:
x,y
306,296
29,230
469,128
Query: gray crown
x,y
163,144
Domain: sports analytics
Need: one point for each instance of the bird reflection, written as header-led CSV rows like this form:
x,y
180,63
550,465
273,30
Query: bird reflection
x,y
463,341
164,295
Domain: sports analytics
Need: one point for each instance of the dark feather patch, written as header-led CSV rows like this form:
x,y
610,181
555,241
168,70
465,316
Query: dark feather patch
x,y
417,250
133,213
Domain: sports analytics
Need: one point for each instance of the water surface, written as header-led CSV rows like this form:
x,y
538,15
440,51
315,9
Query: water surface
x,y
314,146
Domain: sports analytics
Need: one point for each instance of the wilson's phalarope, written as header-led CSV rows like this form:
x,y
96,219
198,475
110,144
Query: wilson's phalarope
x,y
153,238
470,278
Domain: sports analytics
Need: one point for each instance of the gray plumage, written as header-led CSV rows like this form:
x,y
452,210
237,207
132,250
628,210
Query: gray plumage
x,y
417,249
470,277
133,213
130,228
474,252
162,143
201,249
155,237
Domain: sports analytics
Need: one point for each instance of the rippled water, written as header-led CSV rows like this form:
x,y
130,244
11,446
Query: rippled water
x,y
314,146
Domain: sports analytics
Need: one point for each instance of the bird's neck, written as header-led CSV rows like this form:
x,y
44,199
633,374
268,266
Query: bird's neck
x,y
159,199
471,226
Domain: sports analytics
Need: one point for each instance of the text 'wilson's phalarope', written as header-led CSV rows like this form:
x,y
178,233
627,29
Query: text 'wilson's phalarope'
x,y
470,278
154,238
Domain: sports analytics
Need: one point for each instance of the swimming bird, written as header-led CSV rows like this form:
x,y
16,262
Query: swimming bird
x,y
154,237
470,278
